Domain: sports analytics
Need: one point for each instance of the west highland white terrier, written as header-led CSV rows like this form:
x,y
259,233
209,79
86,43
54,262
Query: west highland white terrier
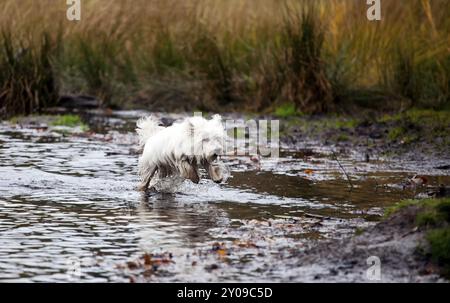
x,y
178,151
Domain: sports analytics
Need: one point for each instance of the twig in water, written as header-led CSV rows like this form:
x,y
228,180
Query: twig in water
x,y
343,169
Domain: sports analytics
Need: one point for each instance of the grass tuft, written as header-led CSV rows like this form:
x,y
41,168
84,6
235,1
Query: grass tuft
x,y
286,110
27,79
439,240
69,121
434,215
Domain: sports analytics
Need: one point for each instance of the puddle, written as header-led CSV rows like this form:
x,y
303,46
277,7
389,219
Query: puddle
x,y
69,210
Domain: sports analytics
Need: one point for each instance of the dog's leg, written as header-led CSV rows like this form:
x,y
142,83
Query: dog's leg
x,y
162,172
146,178
214,171
193,175
189,171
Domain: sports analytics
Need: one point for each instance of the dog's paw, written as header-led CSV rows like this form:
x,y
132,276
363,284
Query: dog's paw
x,y
142,187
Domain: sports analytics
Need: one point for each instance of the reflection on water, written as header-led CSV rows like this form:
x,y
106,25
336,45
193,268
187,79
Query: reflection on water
x,y
73,196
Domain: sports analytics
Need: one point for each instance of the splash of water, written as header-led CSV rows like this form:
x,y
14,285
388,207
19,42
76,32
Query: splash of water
x,y
168,185
172,184
224,170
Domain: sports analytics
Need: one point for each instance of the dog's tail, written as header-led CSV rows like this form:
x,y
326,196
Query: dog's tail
x,y
147,127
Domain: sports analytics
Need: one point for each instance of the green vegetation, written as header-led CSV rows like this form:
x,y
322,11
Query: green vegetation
x,y
431,206
439,240
342,138
420,117
27,81
401,205
15,119
396,133
415,124
67,120
359,231
435,217
315,56
347,123
286,110
436,213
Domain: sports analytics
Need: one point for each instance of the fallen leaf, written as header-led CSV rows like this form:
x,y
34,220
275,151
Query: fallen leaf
x,y
211,267
222,252
247,244
132,265
308,171
147,259
148,273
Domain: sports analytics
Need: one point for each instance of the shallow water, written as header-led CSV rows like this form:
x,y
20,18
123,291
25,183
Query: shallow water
x,y
69,210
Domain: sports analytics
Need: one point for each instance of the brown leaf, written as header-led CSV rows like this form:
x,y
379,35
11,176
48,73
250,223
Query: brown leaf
x,y
222,252
147,259
132,265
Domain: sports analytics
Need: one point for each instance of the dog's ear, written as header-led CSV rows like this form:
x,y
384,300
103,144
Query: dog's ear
x,y
217,118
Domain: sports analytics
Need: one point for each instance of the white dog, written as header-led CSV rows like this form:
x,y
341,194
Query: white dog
x,y
179,150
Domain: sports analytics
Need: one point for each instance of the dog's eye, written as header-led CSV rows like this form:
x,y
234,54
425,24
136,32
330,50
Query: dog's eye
x,y
214,157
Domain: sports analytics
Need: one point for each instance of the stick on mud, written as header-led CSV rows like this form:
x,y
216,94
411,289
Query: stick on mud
x,y
343,169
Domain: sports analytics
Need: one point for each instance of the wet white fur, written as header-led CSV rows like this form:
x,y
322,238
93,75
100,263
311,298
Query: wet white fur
x,y
178,150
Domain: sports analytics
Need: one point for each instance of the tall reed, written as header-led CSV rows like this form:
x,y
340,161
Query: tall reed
x,y
27,80
229,54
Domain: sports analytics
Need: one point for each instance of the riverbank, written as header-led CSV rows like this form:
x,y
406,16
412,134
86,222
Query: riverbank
x,y
414,135
410,245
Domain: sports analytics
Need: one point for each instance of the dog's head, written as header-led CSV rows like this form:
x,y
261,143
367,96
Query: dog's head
x,y
209,141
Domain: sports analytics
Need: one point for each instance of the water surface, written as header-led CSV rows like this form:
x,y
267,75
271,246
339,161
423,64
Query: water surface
x,y
69,209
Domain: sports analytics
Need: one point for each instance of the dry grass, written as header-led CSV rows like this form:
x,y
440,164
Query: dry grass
x,y
248,54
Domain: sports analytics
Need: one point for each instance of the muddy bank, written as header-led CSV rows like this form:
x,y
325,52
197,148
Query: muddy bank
x,y
398,243
414,135
410,135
